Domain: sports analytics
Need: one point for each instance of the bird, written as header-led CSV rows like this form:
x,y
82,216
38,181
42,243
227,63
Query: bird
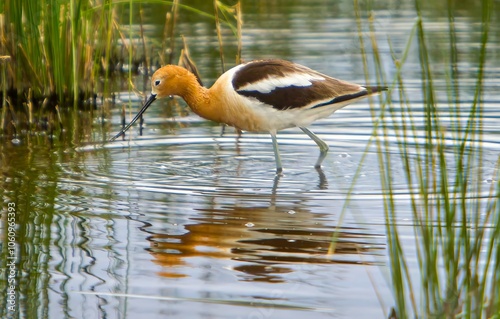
x,y
260,96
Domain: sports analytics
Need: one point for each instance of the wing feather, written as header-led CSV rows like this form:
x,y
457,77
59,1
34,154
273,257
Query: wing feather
x,y
285,85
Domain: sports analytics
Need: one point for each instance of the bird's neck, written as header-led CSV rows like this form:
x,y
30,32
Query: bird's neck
x,y
200,100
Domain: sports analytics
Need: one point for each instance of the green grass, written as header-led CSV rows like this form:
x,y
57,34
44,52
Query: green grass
x,y
63,48
455,214
60,54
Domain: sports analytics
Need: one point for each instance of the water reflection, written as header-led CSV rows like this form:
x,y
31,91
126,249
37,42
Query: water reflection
x,y
266,239
182,222
322,180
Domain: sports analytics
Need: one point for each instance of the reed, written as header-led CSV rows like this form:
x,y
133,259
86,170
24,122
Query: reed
x,y
51,45
230,16
67,52
64,47
456,217
3,73
219,36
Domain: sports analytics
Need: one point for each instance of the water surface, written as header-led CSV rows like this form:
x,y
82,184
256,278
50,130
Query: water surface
x,y
182,222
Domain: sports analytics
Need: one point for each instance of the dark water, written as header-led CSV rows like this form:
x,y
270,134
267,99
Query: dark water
x,y
184,223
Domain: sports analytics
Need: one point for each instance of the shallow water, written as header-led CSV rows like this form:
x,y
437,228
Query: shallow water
x,y
183,222
209,226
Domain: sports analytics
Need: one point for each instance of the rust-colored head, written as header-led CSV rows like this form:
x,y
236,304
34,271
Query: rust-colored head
x,y
166,81
170,80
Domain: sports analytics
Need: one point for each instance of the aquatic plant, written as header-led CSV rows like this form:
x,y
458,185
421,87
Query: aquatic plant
x,y
66,53
455,208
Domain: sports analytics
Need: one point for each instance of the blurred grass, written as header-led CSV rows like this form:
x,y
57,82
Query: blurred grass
x,y
456,220
65,53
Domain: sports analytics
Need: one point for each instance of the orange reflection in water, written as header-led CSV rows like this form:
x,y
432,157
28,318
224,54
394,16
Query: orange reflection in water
x,y
268,239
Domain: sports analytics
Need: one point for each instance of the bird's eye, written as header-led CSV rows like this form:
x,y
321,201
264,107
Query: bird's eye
x,y
157,82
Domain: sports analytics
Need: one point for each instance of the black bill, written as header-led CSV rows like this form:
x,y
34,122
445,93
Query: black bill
x,y
150,100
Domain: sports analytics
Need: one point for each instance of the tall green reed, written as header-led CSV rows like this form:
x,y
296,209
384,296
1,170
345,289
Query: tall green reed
x,y
62,48
66,53
456,226
53,46
231,15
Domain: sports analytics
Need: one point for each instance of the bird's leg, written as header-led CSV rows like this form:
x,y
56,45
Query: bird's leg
x,y
323,147
277,158
222,130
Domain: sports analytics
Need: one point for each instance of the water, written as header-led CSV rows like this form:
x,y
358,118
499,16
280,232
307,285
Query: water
x,y
206,226
185,223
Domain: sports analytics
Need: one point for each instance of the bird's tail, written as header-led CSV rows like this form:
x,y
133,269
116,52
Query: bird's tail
x,y
375,89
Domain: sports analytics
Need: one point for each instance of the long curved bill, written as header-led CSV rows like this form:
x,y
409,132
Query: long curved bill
x,y
150,100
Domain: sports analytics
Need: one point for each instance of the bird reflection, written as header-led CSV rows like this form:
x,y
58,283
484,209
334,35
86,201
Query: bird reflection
x,y
268,241
322,181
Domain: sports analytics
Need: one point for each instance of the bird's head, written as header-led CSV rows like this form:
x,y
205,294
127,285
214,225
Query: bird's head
x,y
169,80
